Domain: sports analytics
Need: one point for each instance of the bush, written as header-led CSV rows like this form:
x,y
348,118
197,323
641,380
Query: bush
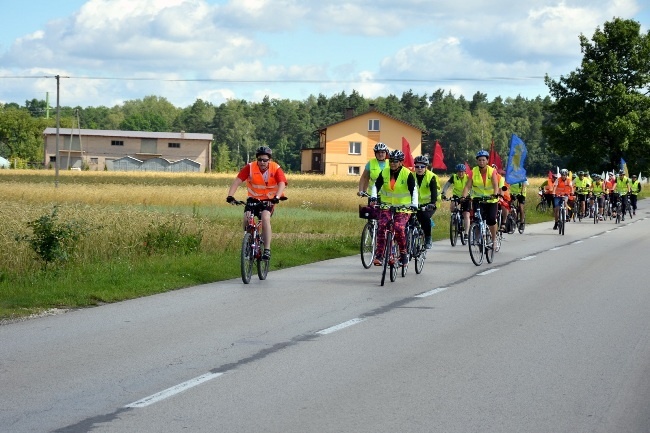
x,y
170,236
53,242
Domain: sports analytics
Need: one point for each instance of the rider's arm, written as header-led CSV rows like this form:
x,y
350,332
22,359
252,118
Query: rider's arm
x,y
281,180
447,185
468,186
495,183
241,177
376,187
364,179
412,185
433,187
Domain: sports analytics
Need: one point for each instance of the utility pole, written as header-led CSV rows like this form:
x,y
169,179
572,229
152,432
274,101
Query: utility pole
x,y
58,120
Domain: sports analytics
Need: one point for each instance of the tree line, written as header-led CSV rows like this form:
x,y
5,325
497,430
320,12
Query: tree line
x,y
593,117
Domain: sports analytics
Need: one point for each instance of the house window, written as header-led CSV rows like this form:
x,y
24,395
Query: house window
x,y
354,148
354,170
94,160
373,125
117,143
174,145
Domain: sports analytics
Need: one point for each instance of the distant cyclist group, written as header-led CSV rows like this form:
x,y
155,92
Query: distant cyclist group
x,y
402,202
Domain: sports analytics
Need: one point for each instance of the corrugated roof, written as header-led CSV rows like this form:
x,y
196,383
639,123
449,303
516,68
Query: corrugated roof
x,y
129,134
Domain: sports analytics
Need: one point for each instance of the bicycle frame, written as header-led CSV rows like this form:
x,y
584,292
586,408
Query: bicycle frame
x,y
479,236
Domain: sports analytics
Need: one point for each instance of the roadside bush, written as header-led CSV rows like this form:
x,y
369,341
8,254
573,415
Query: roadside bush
x,y
171,237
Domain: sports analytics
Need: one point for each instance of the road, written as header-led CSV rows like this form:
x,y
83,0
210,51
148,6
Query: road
x,y
554,336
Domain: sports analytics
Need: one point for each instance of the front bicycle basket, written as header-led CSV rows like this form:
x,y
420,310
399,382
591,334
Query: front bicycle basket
x,y
368,212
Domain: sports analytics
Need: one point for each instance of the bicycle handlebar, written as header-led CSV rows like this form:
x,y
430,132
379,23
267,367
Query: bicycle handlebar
x,y
255,201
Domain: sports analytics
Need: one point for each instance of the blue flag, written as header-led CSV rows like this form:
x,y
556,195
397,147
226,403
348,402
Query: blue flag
x,y
624,167
515,171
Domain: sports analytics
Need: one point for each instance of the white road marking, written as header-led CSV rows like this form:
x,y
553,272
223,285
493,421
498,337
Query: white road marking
x,y
177,389
431,292
489,271
527,258
340,326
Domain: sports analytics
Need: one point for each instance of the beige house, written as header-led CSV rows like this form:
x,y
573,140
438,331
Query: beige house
x,y
346,146
128,150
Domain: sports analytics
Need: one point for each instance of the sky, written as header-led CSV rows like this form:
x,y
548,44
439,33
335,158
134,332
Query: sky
x,y
110,51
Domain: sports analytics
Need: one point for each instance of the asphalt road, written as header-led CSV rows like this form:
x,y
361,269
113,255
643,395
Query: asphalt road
x,y
554,336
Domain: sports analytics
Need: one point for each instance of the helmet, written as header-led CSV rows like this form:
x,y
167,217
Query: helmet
x,y
396,155
634,175
421,160
379,147
621,172
595,176
460,167
581,173
484,153
564,171
263,150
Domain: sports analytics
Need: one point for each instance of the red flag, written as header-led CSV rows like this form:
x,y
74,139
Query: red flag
x,y
468,169
495,158
438,158
408,158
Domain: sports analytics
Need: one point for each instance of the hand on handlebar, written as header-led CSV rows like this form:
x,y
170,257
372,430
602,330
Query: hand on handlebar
x,y
230,199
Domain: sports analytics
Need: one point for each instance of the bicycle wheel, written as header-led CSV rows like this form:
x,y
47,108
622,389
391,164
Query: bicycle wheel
x,y
629,209
410,242
453,229
475,242
541,207
388,247
561,222
368,244
421,253
618,214
262,265
594,209
247,258
521,224
490,250
497,242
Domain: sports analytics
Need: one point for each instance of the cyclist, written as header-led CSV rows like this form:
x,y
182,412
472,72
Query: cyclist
x,y
427,184
457,182
547,190
561,188
265,181
635,187
397,187
582,186
610,189
373,168
504,200
518,191
598,193
622,189
483,183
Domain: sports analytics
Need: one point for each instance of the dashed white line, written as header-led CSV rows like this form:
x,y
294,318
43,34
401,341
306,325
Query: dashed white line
x,y
523,259
154,398
431,292
340,326
489,271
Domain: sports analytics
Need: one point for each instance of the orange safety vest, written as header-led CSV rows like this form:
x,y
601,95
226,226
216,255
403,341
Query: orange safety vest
x,y
262,186
562,188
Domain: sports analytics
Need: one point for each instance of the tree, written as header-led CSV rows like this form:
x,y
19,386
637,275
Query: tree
x,y
21,134
602,110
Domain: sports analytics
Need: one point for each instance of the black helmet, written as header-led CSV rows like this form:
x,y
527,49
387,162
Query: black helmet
x,y
263,150
421,160
396,155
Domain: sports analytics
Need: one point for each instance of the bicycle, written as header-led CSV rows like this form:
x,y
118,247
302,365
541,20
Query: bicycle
x,y
368,244
593,208
542,206
391,252
628,206
515,218
415,245
479,236
456,226
252,245
562,218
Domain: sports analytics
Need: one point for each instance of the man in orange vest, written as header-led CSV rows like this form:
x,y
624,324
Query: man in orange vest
x,y
562,189
266,182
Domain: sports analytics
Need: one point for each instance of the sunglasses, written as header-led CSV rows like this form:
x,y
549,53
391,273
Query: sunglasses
x,y
394,160
420,166
263,159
